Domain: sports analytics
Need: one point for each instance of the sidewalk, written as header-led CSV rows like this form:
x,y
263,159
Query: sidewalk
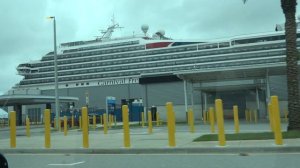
x,y
22,127
142,142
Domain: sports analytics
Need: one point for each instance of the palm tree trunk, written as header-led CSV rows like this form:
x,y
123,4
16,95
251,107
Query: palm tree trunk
x,y
289,10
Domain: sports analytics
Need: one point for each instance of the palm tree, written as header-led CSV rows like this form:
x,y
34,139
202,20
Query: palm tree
x,y
289,10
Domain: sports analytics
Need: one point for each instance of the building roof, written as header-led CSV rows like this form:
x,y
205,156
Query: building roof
x,y
23,99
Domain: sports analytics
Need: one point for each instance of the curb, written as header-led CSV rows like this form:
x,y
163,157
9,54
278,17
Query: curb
x,y
218,150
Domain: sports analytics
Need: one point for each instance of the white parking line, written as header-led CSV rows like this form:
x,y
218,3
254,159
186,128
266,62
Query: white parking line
x,y
65,164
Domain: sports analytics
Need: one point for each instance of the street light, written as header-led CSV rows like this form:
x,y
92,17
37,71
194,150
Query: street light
x,y
55,74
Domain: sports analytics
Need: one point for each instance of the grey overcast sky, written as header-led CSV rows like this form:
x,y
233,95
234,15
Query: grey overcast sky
x,y
26,34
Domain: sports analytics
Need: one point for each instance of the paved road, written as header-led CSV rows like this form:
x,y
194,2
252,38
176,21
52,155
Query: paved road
x,y
155,160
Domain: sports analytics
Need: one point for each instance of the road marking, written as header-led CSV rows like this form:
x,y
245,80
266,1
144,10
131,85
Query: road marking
x,y
65,164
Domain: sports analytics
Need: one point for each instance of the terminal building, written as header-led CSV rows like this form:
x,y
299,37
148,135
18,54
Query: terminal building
x,y
153,70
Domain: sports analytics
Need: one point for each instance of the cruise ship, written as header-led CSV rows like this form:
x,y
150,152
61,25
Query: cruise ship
x,y
156,69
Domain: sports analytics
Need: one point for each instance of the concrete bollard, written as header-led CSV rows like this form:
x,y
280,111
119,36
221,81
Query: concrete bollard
x,y
126,130
191,120
94,122
212,120
85,125
236,119
220,120
104,123
27,127
12,125
149,122
65,125
47,128
171,124
276,120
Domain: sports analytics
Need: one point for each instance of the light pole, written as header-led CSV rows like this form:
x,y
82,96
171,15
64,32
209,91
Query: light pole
x,y
55,75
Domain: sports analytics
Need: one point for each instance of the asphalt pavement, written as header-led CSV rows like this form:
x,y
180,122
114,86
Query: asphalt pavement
x,y
275,160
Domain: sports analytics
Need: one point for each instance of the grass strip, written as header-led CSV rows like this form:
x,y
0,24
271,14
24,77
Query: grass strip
x,y
249,136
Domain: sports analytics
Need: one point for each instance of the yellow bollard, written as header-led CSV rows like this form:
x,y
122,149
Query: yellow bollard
x,y
80,122
72,121
204,117
126,126
47,128
94,122
143,119
188,118
212,120
271,117
255,115
112,120
65,125
101,119
285,115
276,119
12,124
85,125
236,119
220,120
104,123
191,121
171,124
157,119
149,122
27,127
